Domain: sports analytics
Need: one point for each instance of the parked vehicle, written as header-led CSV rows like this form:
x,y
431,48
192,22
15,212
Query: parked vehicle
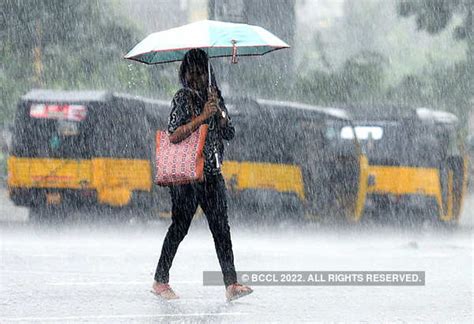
x,y
288,156
75,149
417,161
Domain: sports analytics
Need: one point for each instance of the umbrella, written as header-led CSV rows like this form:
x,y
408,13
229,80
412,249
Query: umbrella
x,y
218,39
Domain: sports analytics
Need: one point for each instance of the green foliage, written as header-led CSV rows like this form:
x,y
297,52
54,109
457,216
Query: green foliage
x,y
67,44
439,87
431,15
434,15
413,90
384,59
452,87
374,26
363,75
359,80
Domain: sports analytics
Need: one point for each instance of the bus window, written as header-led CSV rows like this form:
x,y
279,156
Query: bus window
x,y
362,132
67,128
46,130
339,137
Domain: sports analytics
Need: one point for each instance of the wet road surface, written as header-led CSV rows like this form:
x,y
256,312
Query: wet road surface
x,y
99,272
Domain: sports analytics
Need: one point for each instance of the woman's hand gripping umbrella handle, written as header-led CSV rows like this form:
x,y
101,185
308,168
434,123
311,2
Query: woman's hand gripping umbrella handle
x,y
214,99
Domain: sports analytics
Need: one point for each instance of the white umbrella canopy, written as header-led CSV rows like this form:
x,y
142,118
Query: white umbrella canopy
x,y
218,39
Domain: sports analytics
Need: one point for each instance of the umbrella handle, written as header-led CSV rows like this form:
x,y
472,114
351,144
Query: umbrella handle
x,y
234,52
209,72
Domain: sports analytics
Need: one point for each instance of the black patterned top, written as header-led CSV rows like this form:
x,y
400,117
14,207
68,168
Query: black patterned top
x,y
183,101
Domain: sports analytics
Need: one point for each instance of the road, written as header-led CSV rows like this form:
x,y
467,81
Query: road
x,y
98,272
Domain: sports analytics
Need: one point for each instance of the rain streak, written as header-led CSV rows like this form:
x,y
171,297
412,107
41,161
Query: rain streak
x,y
236,161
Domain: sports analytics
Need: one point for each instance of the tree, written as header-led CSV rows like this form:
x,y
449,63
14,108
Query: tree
x,y
435,15
67,44
360,80
453,86
363,76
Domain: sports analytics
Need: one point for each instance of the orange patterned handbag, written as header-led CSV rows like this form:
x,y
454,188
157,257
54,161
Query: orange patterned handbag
x,y
180,163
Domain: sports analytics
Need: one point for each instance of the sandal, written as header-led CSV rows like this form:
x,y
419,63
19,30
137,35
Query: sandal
x,y
237,290
164,291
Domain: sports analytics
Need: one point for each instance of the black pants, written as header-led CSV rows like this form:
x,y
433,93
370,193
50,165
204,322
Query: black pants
x,y
211,196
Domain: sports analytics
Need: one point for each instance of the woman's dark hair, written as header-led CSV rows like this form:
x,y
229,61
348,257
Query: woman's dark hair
x,y
196,56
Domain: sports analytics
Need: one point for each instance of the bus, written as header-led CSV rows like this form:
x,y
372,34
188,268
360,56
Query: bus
x,y
83,149
289,158
417,161
74,149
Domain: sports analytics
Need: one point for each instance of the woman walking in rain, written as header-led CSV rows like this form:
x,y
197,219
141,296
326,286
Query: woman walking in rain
x,y
195,104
